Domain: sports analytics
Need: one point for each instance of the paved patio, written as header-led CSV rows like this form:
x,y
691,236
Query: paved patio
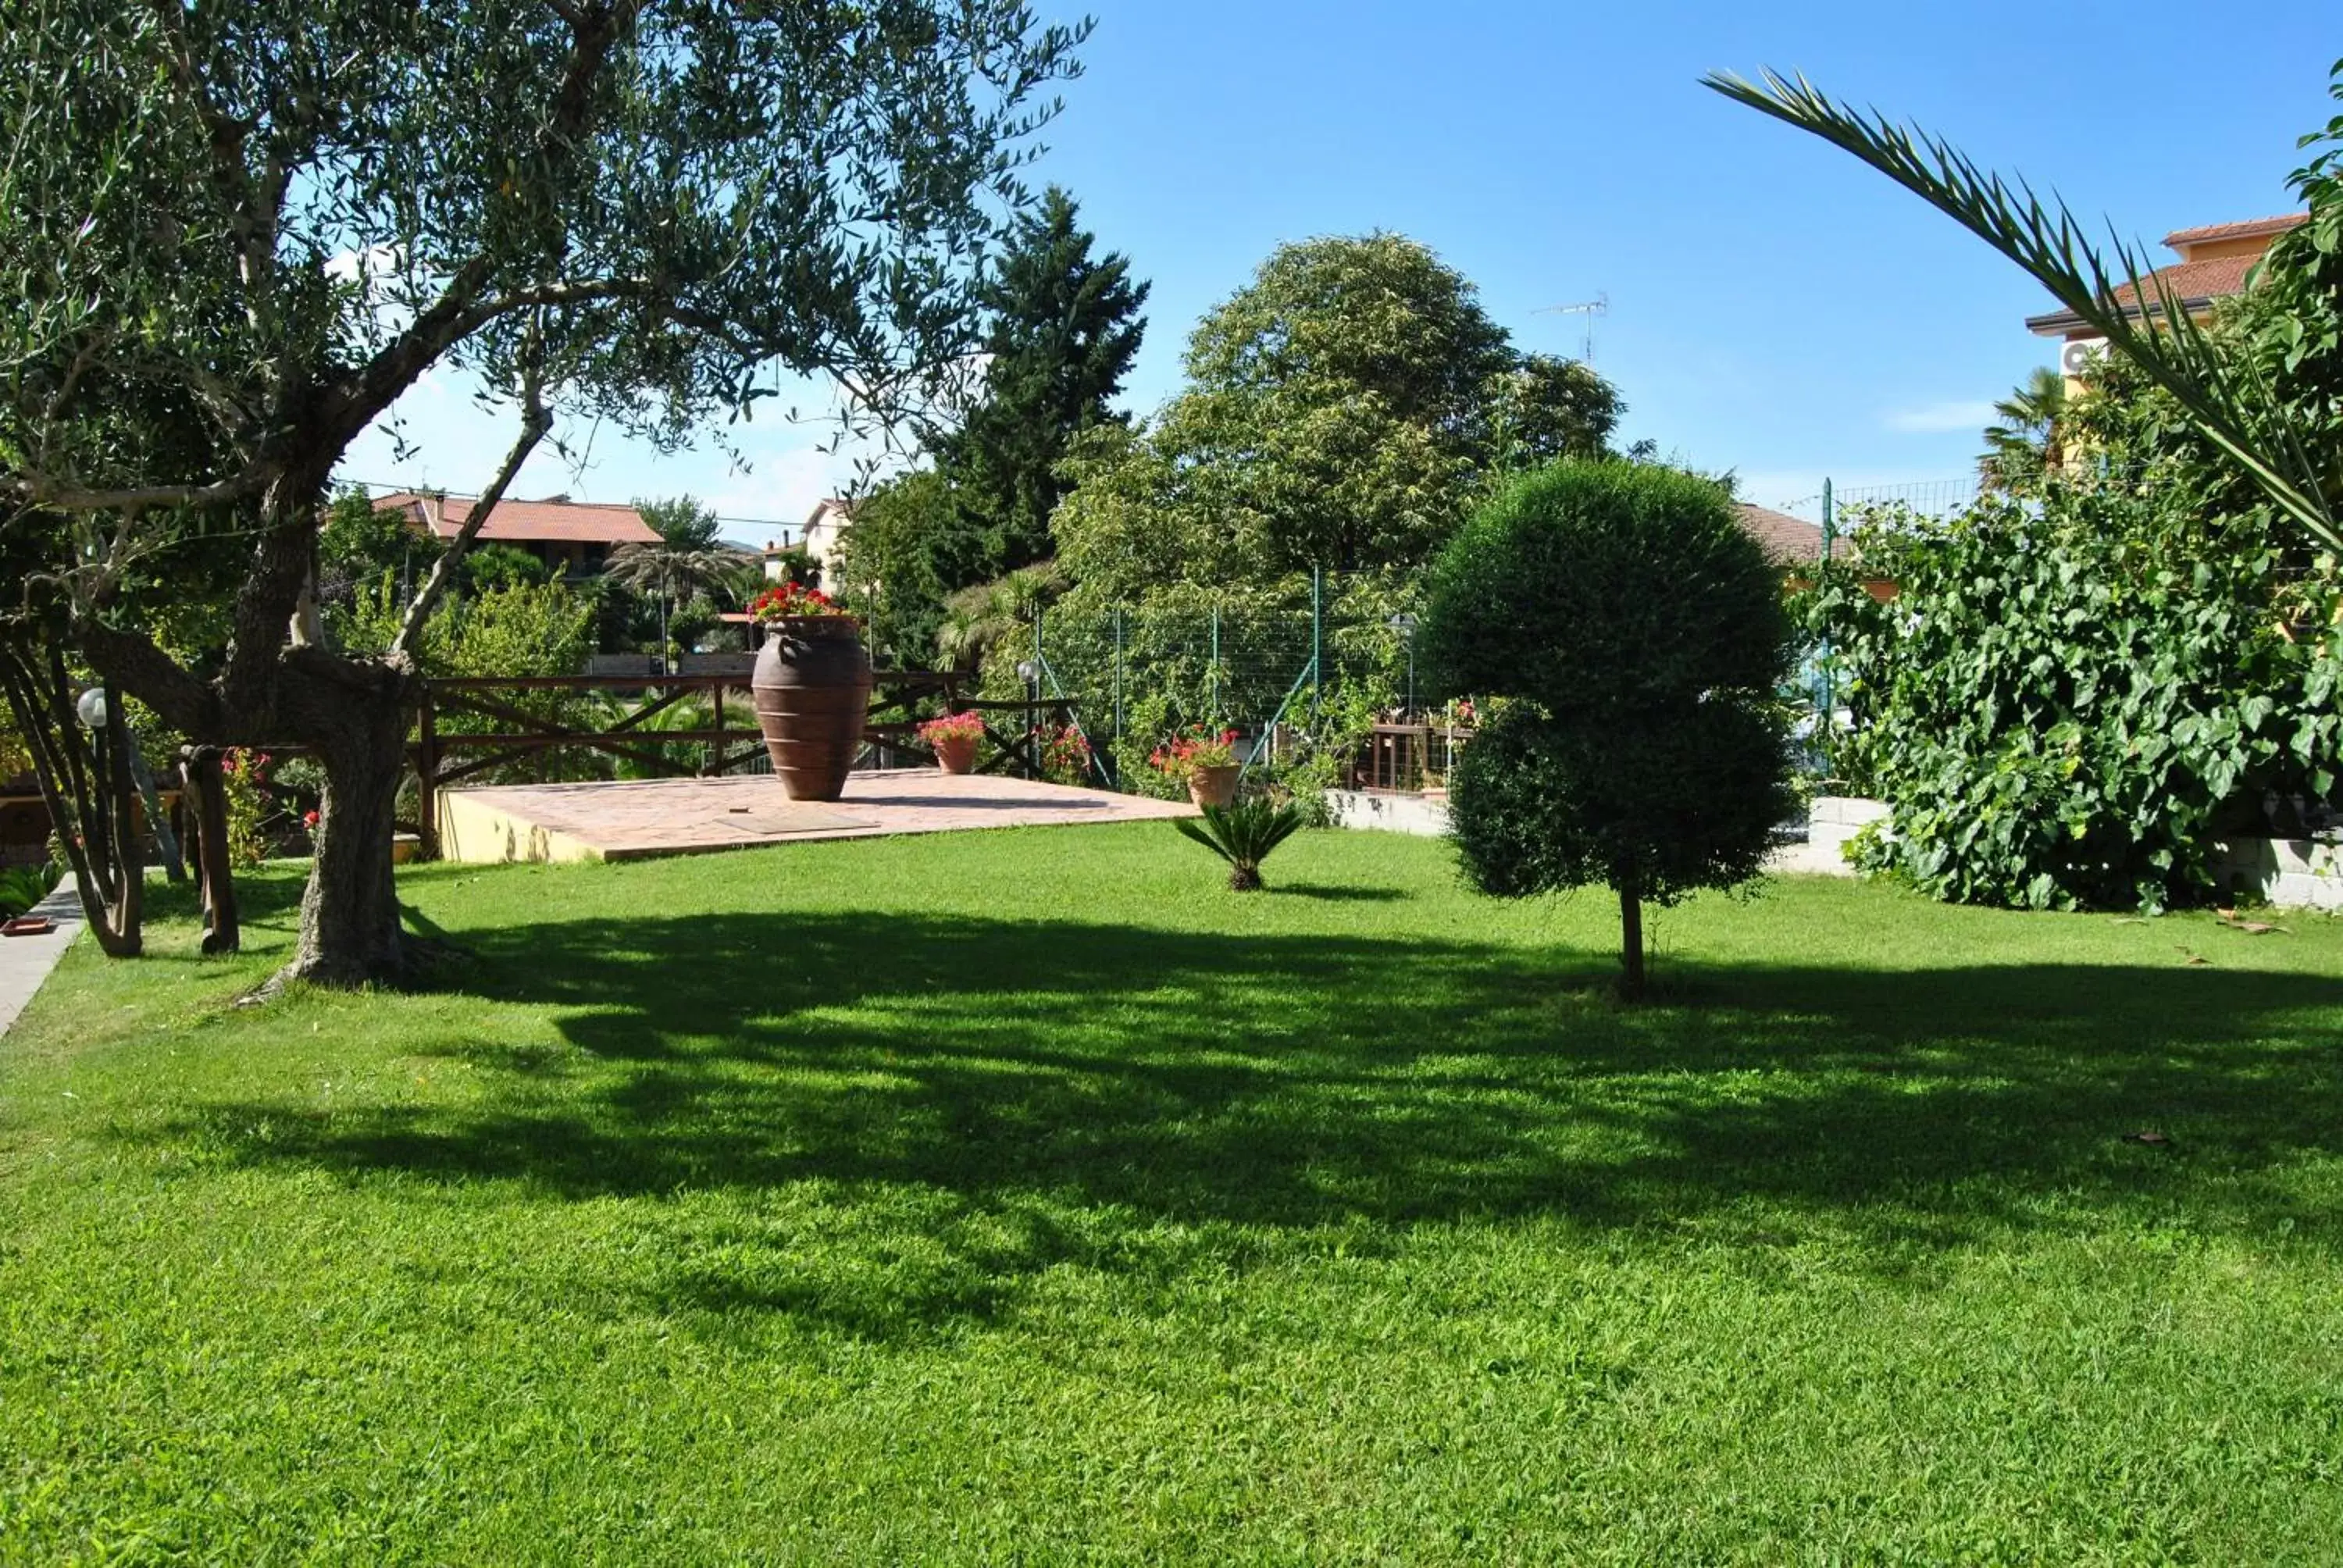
x,y
638,819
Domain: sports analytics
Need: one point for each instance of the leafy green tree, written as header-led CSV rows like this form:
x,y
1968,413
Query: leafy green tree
x,y
1638,638
488,568
683,523
233,236
1546,409
360,541
910,548
2025,444
1065,327
1345,411
1001,612
2075,696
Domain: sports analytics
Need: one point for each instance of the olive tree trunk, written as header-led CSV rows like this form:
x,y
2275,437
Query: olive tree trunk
x,y
353,717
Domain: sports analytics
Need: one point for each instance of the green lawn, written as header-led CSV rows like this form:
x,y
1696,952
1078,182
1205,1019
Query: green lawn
x,y
1026,1197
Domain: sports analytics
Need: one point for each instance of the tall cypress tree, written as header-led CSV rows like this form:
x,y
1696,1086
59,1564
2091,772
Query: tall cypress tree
x,y
1066,325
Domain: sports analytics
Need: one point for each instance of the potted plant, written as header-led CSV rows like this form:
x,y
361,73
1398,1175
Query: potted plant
x,y
811,688
954,737
1206,759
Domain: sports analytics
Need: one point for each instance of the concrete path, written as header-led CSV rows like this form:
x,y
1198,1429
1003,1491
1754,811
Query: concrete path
x,y
25,961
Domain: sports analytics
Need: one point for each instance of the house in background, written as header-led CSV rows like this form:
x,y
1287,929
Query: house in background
x,y
1795,545
2214,264
825,526
573,539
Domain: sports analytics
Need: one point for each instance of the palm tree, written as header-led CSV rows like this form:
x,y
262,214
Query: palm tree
x,y
975,619
2024,445
2223,396
670,572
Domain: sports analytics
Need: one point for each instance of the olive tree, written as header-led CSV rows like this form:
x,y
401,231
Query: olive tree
x,y
232,234
1634,639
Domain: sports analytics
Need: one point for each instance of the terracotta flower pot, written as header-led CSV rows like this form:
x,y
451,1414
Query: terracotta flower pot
x,y
812,689
1214,786
955,753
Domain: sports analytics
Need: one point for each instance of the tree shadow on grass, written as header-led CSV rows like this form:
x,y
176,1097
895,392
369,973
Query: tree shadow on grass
x,y
980,1100
1327,893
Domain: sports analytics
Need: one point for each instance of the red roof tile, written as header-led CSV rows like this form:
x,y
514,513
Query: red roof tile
x,y
2192,280
527,522
1786,540
2246,228
2191,283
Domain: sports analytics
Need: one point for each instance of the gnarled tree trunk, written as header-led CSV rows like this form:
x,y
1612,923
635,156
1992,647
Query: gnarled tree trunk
x,y
352,715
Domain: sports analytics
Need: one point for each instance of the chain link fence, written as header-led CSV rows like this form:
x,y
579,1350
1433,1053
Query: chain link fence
x,y
1301,689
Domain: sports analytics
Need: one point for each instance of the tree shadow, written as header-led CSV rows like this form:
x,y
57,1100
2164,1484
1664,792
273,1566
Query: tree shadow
x,y
1016,1095
1333,894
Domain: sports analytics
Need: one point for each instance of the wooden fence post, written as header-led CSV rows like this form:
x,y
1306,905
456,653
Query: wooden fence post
x,y
427,770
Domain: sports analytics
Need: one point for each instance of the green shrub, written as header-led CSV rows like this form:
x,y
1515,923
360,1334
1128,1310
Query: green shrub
x,y
22,886
1642,636
2076,695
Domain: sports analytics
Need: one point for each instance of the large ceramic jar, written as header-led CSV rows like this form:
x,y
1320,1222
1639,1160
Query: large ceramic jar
x,y
812,686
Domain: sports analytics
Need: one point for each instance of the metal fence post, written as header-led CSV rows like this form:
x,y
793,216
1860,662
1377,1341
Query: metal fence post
x,y
1317,638
1827,716
1117,678
1212,672
1033,695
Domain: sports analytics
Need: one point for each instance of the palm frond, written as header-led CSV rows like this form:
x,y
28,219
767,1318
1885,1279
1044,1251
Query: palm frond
x,y
1191,828
2228,401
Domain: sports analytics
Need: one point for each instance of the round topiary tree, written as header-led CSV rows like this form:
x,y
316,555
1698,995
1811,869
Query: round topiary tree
x,y
1638,638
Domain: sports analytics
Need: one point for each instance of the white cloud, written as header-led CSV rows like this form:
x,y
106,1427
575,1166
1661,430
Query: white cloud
x,y
1941,419
374,261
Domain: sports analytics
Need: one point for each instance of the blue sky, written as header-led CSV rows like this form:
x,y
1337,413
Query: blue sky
x,y
1775,308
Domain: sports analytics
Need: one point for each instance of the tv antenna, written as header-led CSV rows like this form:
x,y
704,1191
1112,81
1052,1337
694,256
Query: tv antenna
x,y
1589,308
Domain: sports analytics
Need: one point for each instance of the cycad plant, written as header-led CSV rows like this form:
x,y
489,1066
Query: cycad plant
x,y
1244,834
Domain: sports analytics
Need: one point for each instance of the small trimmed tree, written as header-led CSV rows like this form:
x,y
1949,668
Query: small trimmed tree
x,y
1637,638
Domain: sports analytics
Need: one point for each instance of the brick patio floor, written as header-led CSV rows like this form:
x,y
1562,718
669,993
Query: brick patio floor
x,y
636,818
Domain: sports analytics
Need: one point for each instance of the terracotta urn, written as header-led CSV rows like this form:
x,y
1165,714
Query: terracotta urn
x,y
955,753
1214,786
813,690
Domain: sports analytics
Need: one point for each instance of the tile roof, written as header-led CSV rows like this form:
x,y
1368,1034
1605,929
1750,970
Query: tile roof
x,y
1786,540
527,522
2191,283
2246,228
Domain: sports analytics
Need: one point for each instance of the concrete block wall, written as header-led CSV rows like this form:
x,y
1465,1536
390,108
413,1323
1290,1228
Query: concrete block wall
x,y
1833,819
2292,873
1426,817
